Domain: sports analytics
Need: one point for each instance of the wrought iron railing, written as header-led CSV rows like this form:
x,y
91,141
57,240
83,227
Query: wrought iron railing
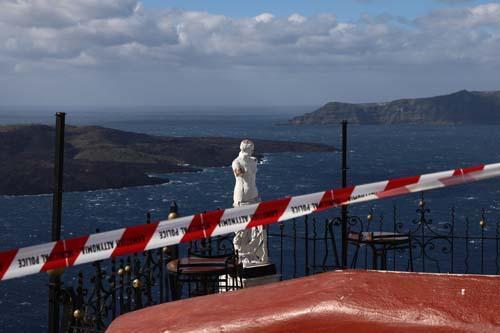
x,y
303,247
102,291
114,288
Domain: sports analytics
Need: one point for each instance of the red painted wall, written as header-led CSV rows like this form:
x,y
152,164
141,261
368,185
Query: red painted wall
x,y
349,301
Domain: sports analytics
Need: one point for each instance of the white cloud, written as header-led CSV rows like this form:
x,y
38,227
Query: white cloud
x,y
59,13
296,18
118,35
451,19
51,30
264,17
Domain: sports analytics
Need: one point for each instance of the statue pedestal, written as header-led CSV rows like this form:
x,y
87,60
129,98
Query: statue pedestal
x,y
259,274
257,270
255,275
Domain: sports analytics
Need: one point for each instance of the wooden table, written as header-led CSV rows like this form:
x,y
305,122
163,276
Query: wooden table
x,y
197,265
198,269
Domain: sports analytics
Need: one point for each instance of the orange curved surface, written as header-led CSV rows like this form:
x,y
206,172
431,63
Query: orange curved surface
x,y
342,301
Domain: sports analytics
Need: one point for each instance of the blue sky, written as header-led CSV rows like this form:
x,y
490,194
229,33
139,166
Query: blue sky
x,y
344,9
259,52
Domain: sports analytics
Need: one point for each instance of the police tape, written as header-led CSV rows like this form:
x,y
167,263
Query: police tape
x,y
95,247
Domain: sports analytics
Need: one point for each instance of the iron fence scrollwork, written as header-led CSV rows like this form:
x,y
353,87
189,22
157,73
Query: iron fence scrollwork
x,y
298,248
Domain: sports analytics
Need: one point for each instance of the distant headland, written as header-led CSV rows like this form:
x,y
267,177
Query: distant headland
x,y
98,157
462,107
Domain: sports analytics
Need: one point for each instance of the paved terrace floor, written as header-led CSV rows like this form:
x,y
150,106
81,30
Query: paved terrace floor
x,y
342,301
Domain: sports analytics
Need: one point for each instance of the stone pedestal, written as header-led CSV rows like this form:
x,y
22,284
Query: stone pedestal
x,y
259,274
255,275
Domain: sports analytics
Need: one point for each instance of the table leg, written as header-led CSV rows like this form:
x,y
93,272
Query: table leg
x,y
383,263
174,286
374,257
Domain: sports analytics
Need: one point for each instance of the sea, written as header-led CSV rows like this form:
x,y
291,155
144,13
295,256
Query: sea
x,y
375,152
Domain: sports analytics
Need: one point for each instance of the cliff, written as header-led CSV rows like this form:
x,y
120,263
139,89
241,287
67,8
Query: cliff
x,y
463,107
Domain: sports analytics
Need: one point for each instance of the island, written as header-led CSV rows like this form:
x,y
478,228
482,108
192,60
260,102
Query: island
x,y
462,107
99,158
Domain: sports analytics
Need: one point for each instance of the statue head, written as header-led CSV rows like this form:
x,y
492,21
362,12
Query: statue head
x,y
247,146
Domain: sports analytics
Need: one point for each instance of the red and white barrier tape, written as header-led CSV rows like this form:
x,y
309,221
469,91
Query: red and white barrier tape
x,y
85,249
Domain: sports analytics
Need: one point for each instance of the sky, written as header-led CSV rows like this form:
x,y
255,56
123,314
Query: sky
x,y
243,53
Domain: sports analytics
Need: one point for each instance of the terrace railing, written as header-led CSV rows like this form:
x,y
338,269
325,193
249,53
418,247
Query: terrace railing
x,y
102,291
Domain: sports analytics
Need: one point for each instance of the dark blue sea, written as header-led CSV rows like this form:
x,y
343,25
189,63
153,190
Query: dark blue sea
x,y
375,153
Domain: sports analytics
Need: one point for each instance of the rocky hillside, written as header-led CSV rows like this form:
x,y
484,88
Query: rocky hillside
x,y
463,107
97,157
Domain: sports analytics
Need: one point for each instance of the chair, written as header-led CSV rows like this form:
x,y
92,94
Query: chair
x,y
381,242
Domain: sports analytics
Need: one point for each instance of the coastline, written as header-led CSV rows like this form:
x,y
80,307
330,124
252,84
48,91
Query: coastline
x,y
101,158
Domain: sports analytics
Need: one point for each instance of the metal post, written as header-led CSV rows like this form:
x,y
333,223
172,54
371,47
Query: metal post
x,y
306,244
344,184
173,213
54,276
173,254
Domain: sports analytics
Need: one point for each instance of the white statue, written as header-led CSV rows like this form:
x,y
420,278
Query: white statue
x,y
251,244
